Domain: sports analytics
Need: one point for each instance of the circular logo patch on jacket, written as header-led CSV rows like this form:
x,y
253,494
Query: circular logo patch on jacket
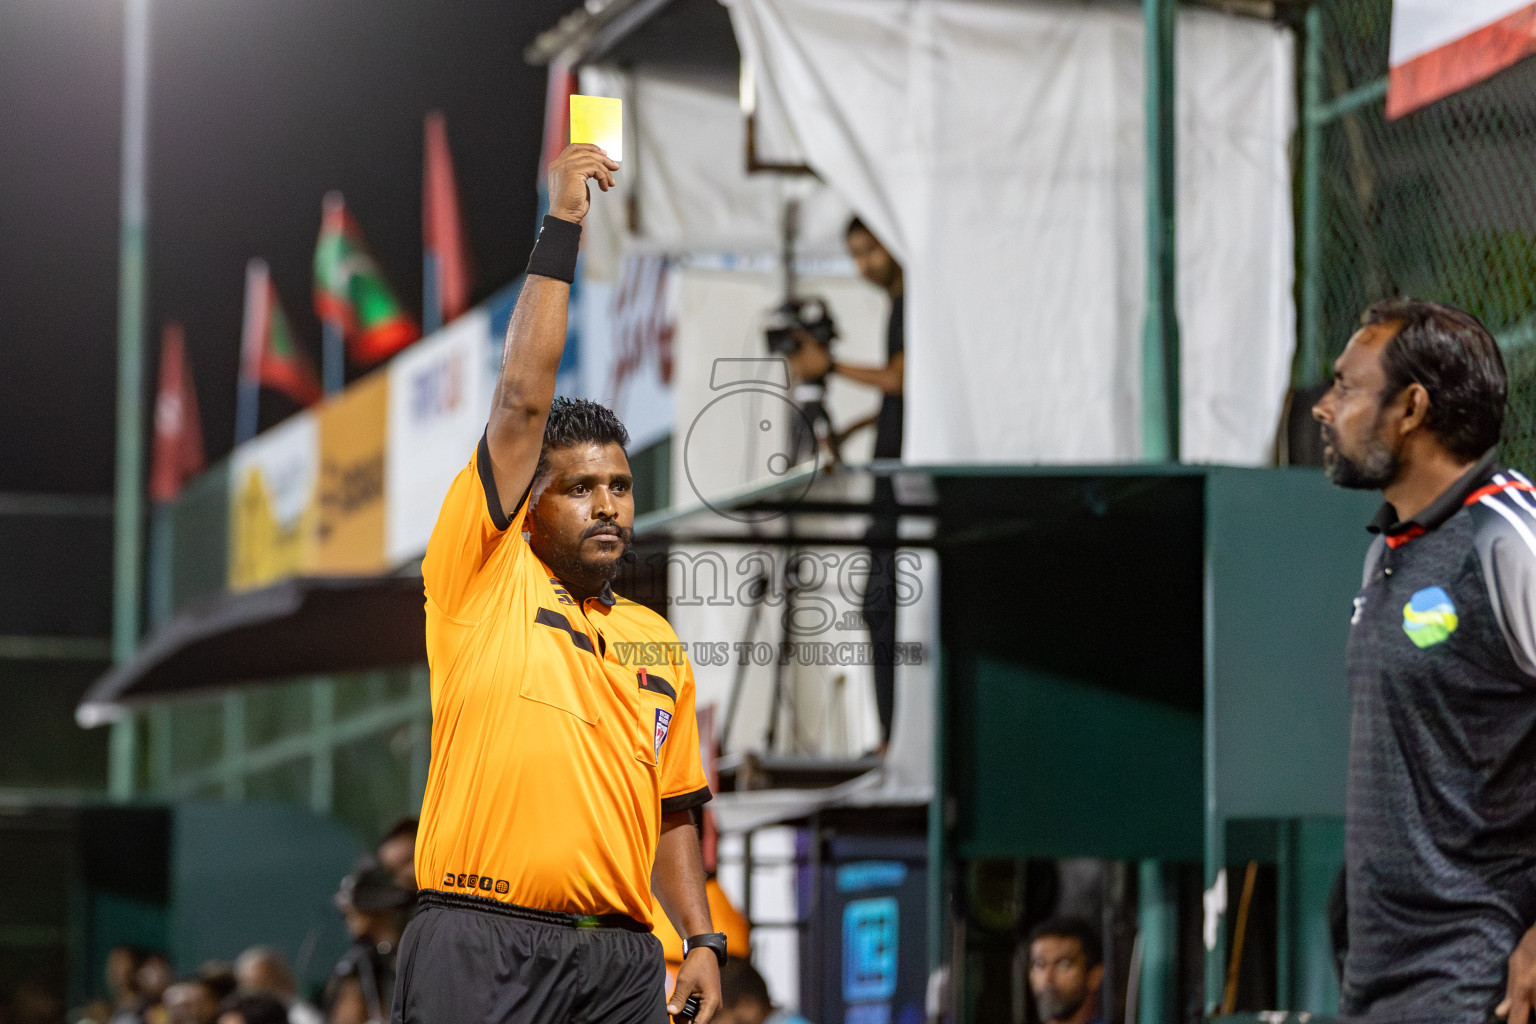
x,y
1429,617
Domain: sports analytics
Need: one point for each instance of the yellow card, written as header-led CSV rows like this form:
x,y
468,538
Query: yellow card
x,y
600,121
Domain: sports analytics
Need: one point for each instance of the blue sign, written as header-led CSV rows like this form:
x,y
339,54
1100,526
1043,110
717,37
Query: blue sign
x,y
870,874
870,938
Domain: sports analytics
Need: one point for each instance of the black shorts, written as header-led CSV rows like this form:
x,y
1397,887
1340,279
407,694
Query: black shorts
x,y
461,964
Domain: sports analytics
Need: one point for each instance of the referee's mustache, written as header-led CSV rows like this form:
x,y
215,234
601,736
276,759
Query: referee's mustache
x,y
603,528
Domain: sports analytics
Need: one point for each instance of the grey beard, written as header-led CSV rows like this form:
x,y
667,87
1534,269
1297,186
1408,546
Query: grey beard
x,y
1375,470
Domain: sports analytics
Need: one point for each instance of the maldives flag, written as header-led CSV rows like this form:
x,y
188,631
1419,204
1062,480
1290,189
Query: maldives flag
x,y
1442,46
442,226
350,290
268,355
178,454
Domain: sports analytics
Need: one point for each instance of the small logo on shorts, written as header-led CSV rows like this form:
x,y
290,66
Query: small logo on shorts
x,y
1429,617
663,723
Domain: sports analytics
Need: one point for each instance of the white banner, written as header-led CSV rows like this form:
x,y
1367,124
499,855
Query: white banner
x,y
438,405
998,150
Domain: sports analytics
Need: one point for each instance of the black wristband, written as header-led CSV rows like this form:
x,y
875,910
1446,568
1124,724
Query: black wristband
x,y
555,250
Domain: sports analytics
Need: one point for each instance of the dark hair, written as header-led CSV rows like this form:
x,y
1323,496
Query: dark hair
x,y
574,421
855,224
739,982
219,979
255,1008
1452,355
403,827
1071,928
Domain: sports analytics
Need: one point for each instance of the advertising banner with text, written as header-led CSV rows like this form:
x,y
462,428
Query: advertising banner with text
x,y
272,509
350,524
439,397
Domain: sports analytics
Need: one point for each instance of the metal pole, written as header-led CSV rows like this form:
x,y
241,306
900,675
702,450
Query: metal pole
x,y
1160,333
334,357
431,295
1156,929
130,374
1309,368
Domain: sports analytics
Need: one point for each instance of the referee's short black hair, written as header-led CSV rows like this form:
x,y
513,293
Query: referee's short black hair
x,y
577,421
1451,354
1071,928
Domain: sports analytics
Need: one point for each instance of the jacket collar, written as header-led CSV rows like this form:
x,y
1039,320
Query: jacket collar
x,y
1437,511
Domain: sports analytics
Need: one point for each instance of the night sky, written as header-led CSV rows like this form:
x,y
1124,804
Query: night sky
x,y
256,108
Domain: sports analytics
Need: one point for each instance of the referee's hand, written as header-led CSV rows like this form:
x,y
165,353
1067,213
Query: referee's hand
x,y
568,177
1520,991
699,976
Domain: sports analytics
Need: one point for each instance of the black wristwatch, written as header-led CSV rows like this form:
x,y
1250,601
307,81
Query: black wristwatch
x,y
714,941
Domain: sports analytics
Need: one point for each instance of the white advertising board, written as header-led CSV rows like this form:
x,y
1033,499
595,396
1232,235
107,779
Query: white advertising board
x,y
438,403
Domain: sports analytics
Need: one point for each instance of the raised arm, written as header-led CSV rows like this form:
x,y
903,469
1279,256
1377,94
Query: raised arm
x,y
536,334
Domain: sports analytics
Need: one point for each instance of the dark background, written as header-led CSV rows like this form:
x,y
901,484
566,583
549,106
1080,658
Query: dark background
x,y
256,109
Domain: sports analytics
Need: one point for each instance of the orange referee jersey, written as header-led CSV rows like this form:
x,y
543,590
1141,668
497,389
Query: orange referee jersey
x,y
552,761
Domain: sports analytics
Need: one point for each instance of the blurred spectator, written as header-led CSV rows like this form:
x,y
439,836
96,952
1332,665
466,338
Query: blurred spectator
x,y
150,977
122,1002
1066,971
123,963
252,1008
192,1001
362,986
219,978
397,853
262,970
744,998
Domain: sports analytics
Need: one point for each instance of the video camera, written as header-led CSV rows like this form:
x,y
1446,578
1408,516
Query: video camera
x,y
809,315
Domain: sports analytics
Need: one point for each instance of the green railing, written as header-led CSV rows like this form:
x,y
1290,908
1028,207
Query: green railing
x,y
353,746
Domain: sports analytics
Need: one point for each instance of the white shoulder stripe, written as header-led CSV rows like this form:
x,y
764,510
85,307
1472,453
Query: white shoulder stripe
x,y
1520,476
1520,497
1514,520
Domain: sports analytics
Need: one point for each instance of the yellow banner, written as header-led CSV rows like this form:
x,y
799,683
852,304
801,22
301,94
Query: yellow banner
x,y
272,509
350,525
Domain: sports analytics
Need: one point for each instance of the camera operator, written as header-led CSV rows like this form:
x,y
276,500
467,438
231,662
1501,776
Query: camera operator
x,y
812,361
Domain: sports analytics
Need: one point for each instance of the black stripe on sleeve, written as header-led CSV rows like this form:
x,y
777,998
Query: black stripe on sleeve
x,y
656,684
499,515
687,801
550,617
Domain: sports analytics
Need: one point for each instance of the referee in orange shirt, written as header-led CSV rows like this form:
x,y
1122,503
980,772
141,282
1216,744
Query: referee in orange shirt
x,y
563,781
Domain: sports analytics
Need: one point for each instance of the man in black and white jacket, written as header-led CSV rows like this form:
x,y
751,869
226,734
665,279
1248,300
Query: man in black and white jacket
x,y
1440,848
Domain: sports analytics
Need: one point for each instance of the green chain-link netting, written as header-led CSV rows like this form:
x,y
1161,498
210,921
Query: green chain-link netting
x,y
1440,204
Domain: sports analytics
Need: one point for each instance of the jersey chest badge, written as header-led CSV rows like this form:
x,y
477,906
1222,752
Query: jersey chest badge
x,y
663,723
1429,617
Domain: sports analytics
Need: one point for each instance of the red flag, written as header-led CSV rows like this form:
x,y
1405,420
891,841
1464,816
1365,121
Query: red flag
x,y
178,454
1440,47
442,225
269,354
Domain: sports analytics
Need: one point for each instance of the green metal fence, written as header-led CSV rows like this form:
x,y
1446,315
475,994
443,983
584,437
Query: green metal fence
x,y
1438,204
353,746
